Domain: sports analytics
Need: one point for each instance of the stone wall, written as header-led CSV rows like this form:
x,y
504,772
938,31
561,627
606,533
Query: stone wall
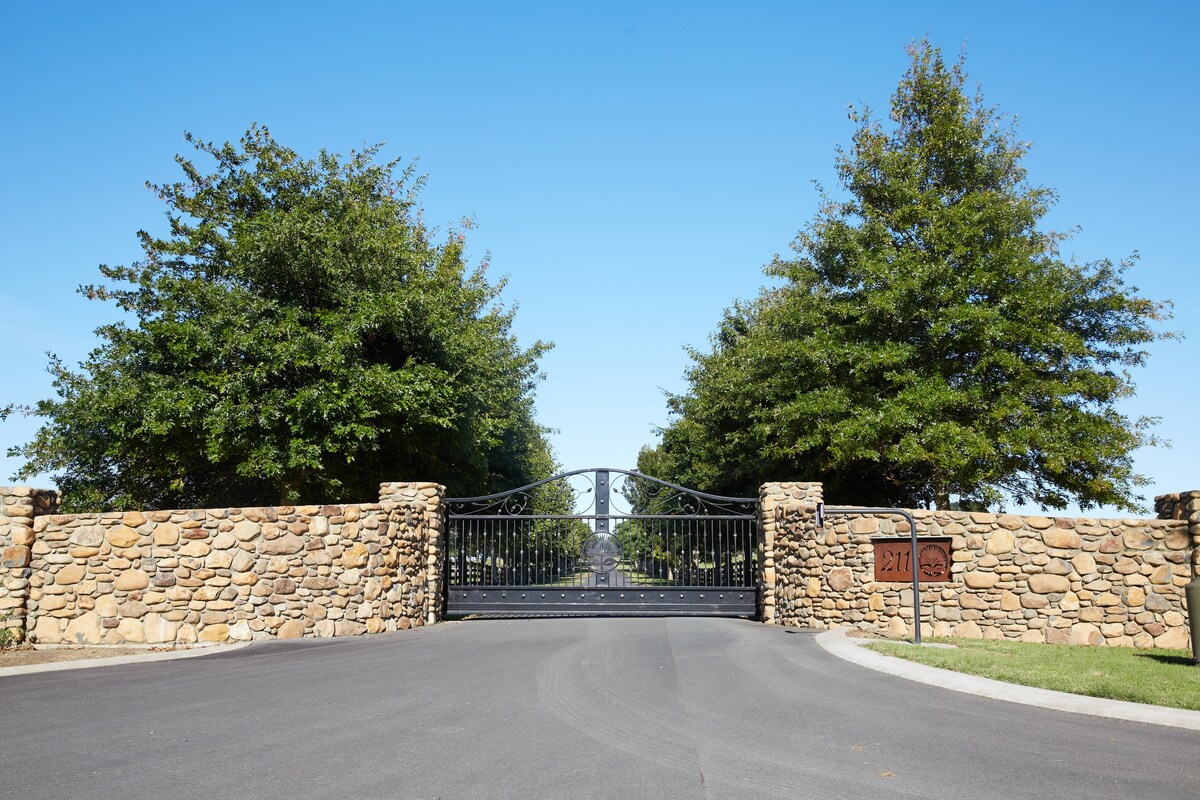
x,y
1033,578
788,523
234,574
19,505
1183,506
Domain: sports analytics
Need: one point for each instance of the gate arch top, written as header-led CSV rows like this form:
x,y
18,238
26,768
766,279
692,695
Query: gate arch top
x,y
659,495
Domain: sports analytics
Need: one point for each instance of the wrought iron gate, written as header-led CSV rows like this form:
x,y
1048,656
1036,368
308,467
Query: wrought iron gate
x,y
602,541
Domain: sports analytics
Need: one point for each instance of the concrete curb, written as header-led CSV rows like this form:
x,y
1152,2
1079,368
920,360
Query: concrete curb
x,y
86,663
835,642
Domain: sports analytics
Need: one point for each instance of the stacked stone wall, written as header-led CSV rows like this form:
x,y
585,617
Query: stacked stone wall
x,y
19,506
1183,506
1033,578
787,522
214,575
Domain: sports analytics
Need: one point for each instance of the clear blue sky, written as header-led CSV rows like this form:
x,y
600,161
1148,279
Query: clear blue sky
x,y
631,166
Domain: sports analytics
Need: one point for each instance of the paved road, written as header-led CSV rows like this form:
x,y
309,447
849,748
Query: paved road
x,y
557,708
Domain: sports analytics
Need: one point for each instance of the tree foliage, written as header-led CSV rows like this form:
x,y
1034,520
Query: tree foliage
x,y
928,340
297,334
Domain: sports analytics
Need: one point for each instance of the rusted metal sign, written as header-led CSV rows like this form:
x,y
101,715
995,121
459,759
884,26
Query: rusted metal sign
x,y
893,559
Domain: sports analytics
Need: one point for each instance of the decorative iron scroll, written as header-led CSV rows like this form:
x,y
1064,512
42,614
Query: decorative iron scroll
x,y
566,495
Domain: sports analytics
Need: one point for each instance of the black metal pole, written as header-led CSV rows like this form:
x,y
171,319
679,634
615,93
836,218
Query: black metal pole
x,y
823,510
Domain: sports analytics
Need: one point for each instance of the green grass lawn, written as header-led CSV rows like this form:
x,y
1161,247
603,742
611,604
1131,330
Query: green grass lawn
x,y
1160,677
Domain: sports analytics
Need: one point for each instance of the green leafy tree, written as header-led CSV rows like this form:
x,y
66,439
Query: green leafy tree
x,y
297,334
927,344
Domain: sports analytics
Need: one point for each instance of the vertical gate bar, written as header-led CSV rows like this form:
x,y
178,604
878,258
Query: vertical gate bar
x,y
681,546
719,555
730,538
749,540
748,546
672,560
602,502
728,580
682,560
718,552
735,538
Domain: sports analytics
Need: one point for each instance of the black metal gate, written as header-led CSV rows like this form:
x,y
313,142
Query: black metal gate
x,y
602,541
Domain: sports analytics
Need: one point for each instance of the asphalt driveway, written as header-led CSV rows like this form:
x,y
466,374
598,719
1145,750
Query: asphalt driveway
x,y
557,708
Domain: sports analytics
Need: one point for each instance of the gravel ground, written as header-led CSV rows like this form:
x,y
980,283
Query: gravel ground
x,y
25,655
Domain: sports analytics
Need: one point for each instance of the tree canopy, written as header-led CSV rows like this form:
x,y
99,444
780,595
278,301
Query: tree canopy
x,y
927,343
296,335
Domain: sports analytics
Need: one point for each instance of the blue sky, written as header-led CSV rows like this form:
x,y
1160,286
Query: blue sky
x,y
630,166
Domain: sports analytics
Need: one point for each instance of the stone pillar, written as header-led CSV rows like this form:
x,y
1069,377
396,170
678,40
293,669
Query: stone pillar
x,y
18,507
429,500
787,514
1185,506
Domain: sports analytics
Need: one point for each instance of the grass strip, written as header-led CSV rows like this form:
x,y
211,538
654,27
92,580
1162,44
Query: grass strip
x,y
1157,677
